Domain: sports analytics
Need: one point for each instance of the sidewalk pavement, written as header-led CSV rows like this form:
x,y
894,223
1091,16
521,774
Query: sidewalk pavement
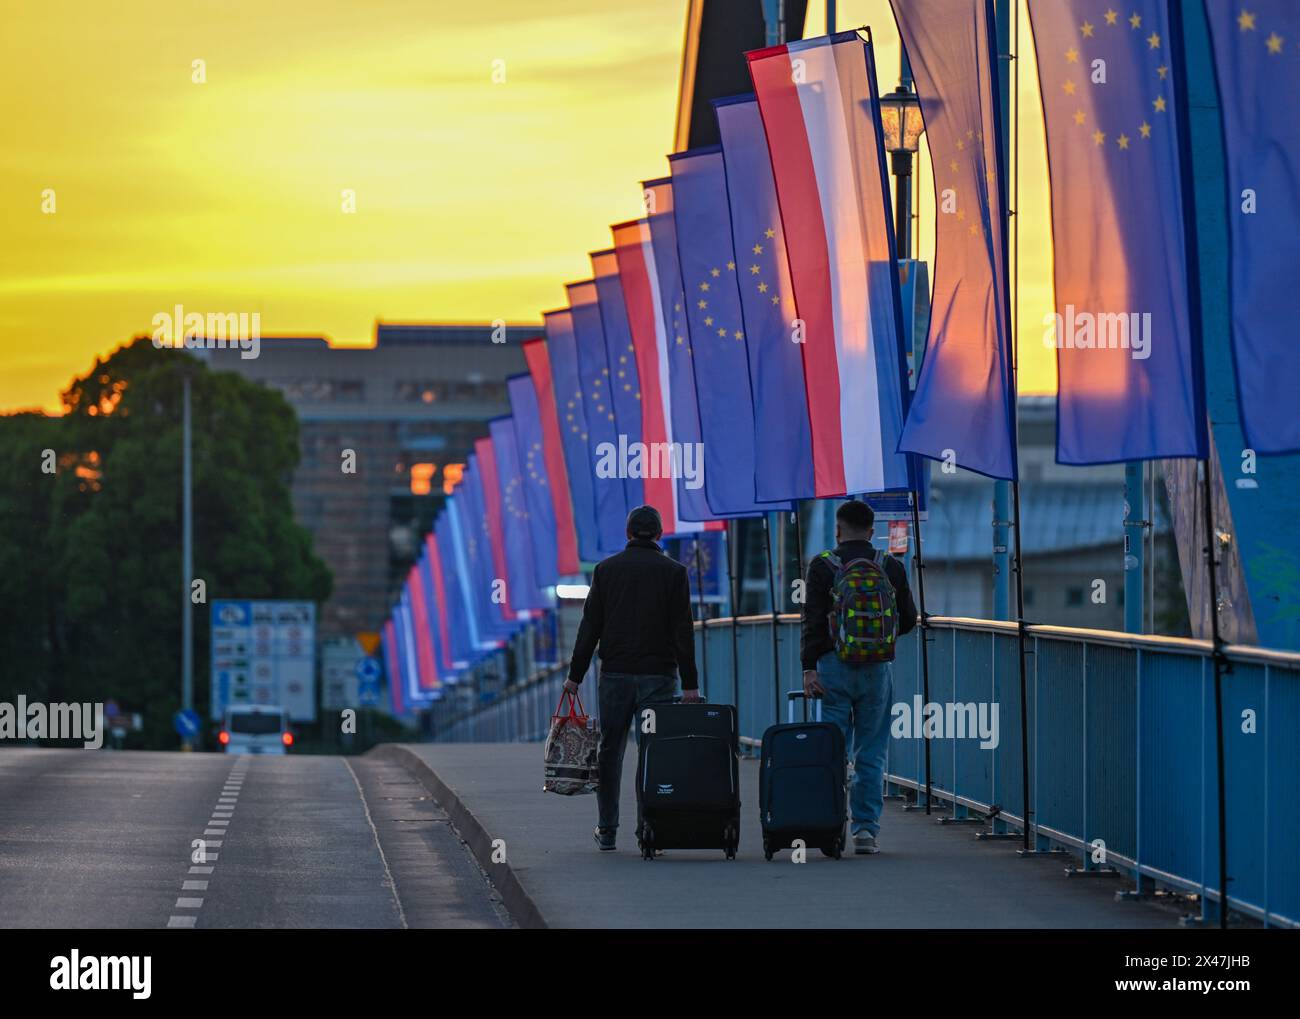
x,y
926,875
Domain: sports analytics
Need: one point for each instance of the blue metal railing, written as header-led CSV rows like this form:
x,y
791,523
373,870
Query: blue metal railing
x,y
1121,743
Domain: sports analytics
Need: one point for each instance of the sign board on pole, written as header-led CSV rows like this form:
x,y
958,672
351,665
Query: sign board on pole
x,y
338,671
264,652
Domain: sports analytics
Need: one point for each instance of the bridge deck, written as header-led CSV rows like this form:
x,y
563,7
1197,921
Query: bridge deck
x,y
926,876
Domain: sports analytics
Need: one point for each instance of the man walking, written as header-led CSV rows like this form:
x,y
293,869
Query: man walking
x,y
857,602
639,613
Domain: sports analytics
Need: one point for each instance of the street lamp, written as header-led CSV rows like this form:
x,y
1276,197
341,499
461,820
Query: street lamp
x,y
900,119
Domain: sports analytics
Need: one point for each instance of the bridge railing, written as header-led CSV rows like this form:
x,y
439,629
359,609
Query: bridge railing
x,y
1121,739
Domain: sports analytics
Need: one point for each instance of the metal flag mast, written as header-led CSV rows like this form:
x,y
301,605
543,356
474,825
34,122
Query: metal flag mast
x,y
1007,15
771,591
733,534
704,622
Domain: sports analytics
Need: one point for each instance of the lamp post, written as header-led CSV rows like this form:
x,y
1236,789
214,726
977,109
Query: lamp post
x,y
900,119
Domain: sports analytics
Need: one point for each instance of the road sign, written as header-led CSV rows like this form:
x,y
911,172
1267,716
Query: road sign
x,y
187,723
264,652
369,670
368,692
338,672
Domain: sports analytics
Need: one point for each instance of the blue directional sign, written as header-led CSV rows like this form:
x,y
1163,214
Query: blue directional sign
x,y
187,722
368,670
368,692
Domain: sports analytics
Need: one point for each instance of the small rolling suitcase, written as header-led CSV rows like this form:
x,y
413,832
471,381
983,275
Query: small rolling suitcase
x,y
688,779
802,784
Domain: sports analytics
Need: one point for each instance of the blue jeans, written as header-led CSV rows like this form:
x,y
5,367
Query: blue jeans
x,y
858,699
621,696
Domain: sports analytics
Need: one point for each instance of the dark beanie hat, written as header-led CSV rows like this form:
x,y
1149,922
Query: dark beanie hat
x,y
645,522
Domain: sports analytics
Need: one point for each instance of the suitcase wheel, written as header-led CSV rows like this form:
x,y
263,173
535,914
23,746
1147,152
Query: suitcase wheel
x,y
767,850
731,841
647,842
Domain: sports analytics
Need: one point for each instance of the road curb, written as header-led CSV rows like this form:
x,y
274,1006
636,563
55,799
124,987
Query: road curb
x,y
514,896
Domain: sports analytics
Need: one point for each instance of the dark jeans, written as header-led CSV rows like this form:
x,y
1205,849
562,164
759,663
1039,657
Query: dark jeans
x,y
621,697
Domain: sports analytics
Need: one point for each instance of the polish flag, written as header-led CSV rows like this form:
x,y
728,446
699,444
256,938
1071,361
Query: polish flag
x,y
821,115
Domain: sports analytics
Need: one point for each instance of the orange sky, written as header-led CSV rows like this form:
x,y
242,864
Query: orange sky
x,y
476,199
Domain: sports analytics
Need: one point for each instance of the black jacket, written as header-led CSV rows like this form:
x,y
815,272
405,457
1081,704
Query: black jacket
x,y
639,611
816,638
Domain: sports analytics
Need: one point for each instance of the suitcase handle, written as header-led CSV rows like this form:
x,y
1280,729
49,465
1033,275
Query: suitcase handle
x,y
793,695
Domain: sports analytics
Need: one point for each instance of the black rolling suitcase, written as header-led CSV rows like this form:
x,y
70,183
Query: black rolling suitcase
x,y
688,779
802,784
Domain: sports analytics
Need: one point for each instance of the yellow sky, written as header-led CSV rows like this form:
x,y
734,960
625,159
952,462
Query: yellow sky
x,y
475,199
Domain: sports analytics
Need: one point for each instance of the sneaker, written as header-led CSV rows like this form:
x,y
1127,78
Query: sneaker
x,y
864,844
605,840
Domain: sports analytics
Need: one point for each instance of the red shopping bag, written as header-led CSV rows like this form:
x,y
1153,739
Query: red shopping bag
x,y
570,754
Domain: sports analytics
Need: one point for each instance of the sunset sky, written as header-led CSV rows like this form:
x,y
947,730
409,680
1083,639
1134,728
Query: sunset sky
x,y
476,199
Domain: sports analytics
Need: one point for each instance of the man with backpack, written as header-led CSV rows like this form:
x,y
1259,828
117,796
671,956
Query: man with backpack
x,y
856,604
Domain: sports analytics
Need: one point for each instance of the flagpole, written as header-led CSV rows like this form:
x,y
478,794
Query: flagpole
x,y
1007,16
1216,643
704,623
771,591
798,538
925,629
733,534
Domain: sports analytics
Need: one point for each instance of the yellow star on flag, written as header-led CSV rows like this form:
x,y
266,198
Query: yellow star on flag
x,y
1123,141
1098,137
1246,21
1111,15
1145,130
1159,104
1135,21
1274,43
1086,29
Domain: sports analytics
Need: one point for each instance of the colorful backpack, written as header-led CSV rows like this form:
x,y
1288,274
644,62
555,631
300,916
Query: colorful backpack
x,y
863,615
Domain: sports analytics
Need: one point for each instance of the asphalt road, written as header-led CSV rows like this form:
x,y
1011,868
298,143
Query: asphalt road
x,y
99,839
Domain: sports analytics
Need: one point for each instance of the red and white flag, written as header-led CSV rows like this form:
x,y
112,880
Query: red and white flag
x,y
821,116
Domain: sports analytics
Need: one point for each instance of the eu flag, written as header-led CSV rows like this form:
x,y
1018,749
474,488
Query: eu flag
x,y
1129,367
712,279
566,380
602,425
463,649
521,578
1257,62
532,468
783,469
624,386
963,407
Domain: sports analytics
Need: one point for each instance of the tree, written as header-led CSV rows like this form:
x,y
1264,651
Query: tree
x,y
112,554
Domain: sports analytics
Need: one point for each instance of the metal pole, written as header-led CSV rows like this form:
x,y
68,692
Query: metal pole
x,y
771,592
1002,489
187,554
798,539
733,532
1216,640
925,629
704,629
830,30
1134,546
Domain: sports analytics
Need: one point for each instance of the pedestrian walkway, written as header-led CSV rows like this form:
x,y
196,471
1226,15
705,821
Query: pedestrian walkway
x,y
926,876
